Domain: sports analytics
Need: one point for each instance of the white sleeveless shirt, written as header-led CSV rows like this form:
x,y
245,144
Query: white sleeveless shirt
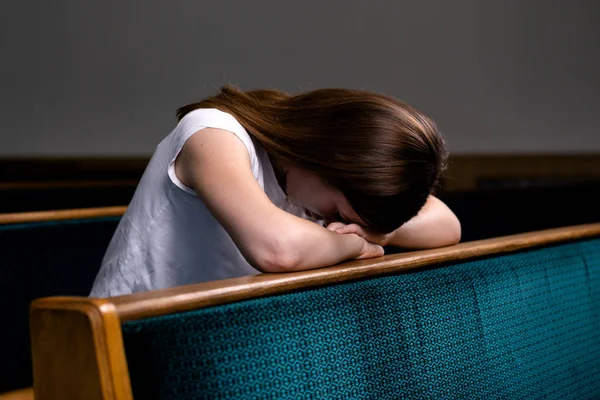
x,y
167,237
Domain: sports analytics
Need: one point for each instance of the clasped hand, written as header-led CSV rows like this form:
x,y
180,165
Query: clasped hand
x,y
380,239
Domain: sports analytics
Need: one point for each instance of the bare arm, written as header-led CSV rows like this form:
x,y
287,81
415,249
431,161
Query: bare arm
x,y
217,165
434,226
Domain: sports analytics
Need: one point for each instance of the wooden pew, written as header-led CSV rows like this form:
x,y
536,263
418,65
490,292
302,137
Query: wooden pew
x,y
510,317
43,254
21,394
52,183
61,215
490,213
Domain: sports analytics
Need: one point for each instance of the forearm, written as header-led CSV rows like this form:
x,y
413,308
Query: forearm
x,y
435,226
312,246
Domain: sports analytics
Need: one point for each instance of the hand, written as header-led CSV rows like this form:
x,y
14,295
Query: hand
x,y
380,239
369,249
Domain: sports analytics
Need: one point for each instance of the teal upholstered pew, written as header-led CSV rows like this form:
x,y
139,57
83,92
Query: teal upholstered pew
x,y
509,318
43,254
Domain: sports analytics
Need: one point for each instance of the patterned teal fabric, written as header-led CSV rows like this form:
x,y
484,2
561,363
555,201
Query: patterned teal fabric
x,y
519,326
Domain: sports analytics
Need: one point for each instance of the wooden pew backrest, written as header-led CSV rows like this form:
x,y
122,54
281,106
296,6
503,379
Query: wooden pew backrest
x,y
508,317
21,394
44,254
61,215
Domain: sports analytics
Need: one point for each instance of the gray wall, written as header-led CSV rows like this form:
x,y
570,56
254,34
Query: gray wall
x,y
87,77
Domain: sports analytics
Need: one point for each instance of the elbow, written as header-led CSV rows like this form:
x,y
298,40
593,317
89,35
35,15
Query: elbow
x,y
449,234
449,224
455,238
454,231
272,263
443,224
278,258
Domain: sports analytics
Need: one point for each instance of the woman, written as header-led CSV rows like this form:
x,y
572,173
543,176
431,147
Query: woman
x,y
266,181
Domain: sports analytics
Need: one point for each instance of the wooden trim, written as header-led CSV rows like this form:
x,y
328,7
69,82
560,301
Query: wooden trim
x,y
35,185
184,298
22,394
77,343
77,350
59,215
465,172
71,168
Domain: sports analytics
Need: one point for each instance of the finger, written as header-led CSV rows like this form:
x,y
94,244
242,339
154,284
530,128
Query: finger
x,y
335,226
353,228
378,251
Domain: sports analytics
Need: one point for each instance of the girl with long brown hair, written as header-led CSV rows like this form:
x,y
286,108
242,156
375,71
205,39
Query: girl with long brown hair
x,y
266,181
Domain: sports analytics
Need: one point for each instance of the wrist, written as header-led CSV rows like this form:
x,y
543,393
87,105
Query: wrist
x,y
356,244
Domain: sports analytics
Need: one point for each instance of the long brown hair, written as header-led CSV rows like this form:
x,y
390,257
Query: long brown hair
x,y
385,156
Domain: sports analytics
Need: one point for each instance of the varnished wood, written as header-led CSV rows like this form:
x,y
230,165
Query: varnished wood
x,y
58,215
23,394
30,169
77,343
183,298
77,350
67,184
466,171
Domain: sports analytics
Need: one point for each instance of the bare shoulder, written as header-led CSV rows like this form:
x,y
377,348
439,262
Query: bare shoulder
x,y
210,146
216,164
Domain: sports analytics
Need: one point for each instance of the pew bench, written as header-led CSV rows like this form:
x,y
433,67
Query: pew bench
x,y
510,317
43,254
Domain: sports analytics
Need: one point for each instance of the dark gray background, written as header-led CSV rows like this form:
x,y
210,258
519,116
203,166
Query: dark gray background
x,y
91,77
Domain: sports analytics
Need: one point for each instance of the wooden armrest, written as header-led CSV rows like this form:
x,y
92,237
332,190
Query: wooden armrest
x,y
58,215
21,394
